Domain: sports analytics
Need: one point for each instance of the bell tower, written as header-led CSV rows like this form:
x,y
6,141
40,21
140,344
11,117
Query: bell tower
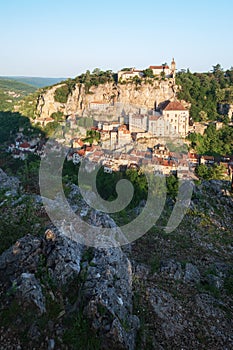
x,y
173,68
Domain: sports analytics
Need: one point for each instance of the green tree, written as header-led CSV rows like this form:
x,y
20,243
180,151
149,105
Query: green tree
x,y
203,116
148,73
61,94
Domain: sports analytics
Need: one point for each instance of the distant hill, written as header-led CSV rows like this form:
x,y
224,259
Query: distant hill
x,y
37,82
11,92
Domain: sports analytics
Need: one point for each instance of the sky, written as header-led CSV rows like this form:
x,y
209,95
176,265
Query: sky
x,y
63,38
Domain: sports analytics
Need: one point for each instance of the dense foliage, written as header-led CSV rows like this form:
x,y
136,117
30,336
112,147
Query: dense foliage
x,y
106,185
61,94
205,90
10,124
95,78
213,142
215,172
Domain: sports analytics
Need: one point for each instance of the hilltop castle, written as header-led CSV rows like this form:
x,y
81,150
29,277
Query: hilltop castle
x,y
162,71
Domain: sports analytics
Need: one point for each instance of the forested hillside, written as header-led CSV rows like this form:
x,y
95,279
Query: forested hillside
x,y
205,90
11,92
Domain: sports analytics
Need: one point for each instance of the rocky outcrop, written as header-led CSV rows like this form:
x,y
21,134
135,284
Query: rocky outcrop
x,y
226,109
108,293
9,183
35,270
29,291
56,254
145,95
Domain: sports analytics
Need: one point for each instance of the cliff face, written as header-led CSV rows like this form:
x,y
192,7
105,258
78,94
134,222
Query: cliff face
x,y
145,95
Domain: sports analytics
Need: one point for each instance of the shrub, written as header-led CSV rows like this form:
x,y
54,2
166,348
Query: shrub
x,y
61,94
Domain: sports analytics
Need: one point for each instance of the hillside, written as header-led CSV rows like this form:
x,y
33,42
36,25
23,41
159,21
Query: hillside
x,y
37,82
11,92
164,291
210,94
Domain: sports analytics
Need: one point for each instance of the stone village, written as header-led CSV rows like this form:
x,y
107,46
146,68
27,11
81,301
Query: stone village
x,y
151,139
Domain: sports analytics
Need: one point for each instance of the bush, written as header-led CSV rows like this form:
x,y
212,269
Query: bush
x,y
61,94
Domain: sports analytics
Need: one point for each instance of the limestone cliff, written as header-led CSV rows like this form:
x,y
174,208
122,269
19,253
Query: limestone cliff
x,y
145,95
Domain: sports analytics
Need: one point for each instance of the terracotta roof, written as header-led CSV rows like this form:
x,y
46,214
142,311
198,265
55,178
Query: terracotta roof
x,y
78,141
24,145
193,156
153,117
159,67
99,102
122,127
89,148
81,152
138,116
174,106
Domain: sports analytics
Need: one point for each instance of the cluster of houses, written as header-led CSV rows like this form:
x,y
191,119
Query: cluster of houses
x,y
162,70
24,146
158,159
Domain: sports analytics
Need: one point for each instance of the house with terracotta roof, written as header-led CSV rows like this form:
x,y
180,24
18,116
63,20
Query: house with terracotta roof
x,y
171,120
43,121
124,135
129,74
176,118
25,146
161,70
77,143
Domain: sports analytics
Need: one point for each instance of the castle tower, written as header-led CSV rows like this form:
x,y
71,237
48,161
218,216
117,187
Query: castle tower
x,y
173,68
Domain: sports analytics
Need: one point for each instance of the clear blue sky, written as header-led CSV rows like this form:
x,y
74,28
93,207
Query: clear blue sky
x,y
62,38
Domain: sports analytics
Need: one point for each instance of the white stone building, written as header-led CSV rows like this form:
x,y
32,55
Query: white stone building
x,y
126,75
172,120
176,118
138,122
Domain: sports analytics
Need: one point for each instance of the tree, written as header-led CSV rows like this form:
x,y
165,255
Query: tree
x,y
203,116
148,73
162,74
217,69
61,94
172,186
202,171
97,71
